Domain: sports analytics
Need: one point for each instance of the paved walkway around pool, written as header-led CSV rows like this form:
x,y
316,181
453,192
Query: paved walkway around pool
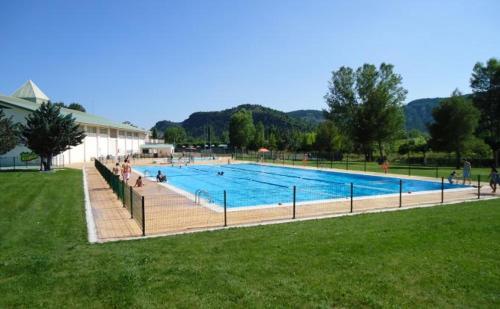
x,y
169,212
112,221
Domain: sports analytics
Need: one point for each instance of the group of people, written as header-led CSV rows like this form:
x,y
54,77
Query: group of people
x,y
125,170
494,176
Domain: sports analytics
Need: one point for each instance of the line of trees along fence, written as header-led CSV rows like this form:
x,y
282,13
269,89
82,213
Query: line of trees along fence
x,y
162,213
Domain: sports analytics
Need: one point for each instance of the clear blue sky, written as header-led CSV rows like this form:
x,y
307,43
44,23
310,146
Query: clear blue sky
x,y
145,61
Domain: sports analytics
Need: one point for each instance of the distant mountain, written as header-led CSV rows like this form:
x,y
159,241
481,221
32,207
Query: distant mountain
x,y
312,116
418,113
196,124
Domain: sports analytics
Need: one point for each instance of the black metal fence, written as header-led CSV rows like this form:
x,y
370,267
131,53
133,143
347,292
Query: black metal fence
x,y
130,198
15,164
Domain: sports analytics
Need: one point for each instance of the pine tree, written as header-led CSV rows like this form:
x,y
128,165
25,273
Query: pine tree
x,y
48,133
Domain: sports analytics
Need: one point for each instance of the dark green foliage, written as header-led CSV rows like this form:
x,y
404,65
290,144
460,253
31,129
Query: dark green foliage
x,y
175,135
259,138
48,133
455,120
9,133
485,84
74,106
367,105
154,133
241,129
328,137
77,107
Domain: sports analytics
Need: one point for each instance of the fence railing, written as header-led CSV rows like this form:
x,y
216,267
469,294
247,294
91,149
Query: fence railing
x,y
13,163
171,212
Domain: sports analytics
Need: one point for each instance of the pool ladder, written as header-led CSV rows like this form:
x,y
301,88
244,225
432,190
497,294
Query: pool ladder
x,y
199,193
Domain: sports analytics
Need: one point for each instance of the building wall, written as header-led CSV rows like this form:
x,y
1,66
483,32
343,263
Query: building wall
x,y
99,142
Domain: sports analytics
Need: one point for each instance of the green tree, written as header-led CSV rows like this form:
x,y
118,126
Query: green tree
x,y
9,133
241,129
259,138
455,120
154,133
225,137
485,84
48,133
175,135
77,107
327,137
366,105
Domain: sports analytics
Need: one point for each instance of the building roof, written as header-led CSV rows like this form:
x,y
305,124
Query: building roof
x,y
156,146
80,117
30,91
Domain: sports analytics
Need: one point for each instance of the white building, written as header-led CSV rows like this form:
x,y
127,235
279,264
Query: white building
x,y
103,137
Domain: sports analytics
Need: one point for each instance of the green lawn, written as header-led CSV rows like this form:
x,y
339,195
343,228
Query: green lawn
x,y
445,256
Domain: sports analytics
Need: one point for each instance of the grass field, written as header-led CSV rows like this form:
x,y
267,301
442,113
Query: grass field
x,y
446,256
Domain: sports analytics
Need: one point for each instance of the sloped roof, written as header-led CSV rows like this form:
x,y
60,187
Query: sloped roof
x,y
81,117
30,90
156,146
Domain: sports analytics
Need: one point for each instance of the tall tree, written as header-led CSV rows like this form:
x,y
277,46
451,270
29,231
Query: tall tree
x,y
455,120
241,129
485,84
327,137
175,135
154,133
48,133
367,105
9,133
259,138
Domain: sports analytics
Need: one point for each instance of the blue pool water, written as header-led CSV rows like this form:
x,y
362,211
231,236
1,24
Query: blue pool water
x,y
253,184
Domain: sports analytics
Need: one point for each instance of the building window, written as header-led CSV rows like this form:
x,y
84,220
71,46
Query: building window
x,y
122,134
112,133
103,131
136,134
129,134
91,130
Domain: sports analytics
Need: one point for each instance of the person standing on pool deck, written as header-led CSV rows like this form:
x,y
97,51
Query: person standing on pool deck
x,y
493,179
467,172
126,171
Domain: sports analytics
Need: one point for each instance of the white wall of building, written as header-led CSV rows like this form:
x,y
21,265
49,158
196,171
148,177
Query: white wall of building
x,y
100,141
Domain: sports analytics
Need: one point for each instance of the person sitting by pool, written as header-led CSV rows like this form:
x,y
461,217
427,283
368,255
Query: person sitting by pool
x,y
452,177
138,182
160,177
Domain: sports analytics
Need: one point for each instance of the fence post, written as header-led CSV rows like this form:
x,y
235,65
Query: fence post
x,y
294,199
131,203
437,171
352,194
347,162
365,163
478,186
331,160
409,168
143,218
225,208
14,163
400,193
317,160
123,193
442,190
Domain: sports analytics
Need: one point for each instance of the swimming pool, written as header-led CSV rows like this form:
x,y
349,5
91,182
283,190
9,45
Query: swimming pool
x,y
251,185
